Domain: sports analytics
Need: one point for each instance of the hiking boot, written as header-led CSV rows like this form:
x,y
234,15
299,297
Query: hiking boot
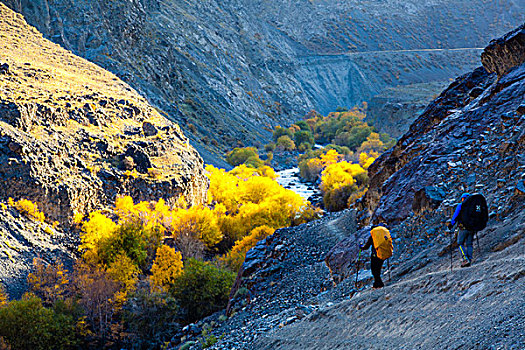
x,y
465,263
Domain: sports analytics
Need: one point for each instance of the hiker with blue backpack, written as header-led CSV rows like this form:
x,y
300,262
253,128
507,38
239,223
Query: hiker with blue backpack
x,y
471,216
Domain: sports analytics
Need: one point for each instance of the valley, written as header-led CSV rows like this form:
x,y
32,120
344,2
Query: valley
x,y
200,175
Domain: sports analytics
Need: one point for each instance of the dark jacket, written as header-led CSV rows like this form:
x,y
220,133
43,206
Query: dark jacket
x,y
370,243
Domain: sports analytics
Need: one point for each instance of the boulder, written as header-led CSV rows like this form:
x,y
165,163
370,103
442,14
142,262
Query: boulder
x,y
149,129
342,257
429,197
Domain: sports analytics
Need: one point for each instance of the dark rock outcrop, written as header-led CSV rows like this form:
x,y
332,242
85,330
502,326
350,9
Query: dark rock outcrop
x,y
395,109
505,53
64,133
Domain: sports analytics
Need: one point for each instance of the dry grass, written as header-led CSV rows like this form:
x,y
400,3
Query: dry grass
x,y
43,73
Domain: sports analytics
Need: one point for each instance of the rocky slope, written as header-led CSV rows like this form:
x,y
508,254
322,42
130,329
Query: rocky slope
x,y
227,69
23,239
395,109
73,136
471,138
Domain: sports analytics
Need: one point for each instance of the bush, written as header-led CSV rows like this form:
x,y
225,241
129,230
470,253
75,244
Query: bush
x,y
337,198
50,283
150,319
27,324
28,208
285,143
301,137
339,182
280,131
235,258
303,125
254,162
202,289
240,155
130,239
270,147
303,147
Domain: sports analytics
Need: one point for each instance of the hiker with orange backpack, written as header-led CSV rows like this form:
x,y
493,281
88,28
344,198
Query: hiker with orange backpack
x,y
380,242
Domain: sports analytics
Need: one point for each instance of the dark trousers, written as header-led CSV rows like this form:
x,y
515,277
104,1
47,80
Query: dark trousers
x,y
376,265
465,242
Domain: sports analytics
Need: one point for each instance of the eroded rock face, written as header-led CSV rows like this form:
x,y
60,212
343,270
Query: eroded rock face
x,y
395,109
67,128
505,53
226,70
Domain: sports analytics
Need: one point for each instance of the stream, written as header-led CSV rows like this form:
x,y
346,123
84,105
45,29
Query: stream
x,y
289,178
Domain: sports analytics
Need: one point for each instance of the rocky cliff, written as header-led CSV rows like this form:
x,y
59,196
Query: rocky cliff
x,y
226,70
471,138
395,109
73,136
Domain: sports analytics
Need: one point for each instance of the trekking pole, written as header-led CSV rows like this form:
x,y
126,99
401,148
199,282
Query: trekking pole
x,y
451,244
389,271
477,240
357,267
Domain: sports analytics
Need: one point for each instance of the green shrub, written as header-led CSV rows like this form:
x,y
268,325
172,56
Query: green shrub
x,y
280,131
303,147
301,137
303,125
240,155
355,137
202,289
285,143
337,199
270,147
133,240
254,162
150,318
27,324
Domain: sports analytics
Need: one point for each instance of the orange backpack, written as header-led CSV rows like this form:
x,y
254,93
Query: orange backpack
x,y
382,242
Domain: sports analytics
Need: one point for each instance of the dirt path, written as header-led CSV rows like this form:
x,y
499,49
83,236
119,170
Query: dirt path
x,y
481,307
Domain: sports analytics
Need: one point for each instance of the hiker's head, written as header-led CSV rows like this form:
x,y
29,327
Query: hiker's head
x,y
381,224
464,196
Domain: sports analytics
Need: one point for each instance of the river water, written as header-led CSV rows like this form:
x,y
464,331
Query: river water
x,y
289,178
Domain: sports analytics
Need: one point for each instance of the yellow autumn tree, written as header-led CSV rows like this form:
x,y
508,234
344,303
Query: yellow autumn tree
x,y
199,222
235,258
166,267
126,272
49,282
338,184
97,228
366,160
151,215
